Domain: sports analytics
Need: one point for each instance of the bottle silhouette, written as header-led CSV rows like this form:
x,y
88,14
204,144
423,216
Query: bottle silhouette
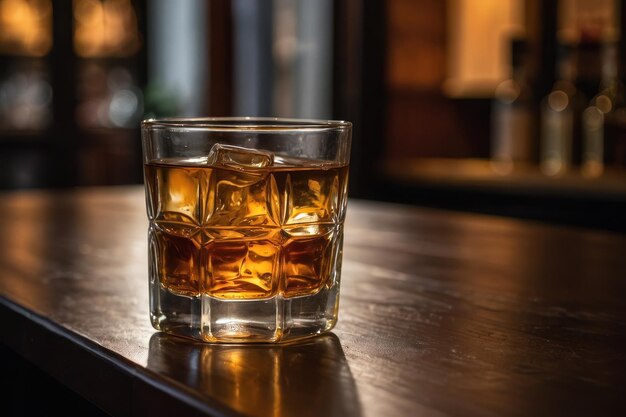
x,y
512,116
604,119
561,112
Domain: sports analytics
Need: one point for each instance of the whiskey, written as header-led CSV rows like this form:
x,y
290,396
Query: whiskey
x,y
245,231
245,226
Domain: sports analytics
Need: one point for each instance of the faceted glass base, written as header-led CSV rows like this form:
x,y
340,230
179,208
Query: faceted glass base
x,y
270,320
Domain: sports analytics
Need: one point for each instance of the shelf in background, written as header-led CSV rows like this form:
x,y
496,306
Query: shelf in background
x,y
473,185
479,175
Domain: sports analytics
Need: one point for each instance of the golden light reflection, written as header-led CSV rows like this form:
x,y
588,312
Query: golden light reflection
x,y
240,366
26,27
23,245
478,44
105,28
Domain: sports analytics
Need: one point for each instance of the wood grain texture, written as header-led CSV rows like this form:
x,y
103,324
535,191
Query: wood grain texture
x,y
441,314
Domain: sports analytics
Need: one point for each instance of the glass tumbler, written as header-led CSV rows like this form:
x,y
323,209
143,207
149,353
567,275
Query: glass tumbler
x,y
245,226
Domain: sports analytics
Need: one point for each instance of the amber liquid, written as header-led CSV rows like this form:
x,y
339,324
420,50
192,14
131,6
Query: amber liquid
x,y
250,233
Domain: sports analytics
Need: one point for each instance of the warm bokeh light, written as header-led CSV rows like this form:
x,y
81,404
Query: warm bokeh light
x,y
590,19
26,27
105,28
478,44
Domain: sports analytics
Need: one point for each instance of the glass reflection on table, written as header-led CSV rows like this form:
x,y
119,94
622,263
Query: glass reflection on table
x,y
309,377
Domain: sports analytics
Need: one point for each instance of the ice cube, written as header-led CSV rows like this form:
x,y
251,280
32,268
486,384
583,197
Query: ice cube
x,y
238,157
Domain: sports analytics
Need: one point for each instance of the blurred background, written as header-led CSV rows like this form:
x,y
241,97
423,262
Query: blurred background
x,y
509,107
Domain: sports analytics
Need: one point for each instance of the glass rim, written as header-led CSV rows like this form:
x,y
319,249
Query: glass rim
x,y
255,124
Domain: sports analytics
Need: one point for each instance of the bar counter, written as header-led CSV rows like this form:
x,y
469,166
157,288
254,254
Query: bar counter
x,y
441,314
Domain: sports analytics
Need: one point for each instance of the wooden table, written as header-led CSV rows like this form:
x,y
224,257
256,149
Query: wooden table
x,y
441,314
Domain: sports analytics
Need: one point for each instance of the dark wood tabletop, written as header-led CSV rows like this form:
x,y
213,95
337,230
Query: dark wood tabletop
x,y
441,314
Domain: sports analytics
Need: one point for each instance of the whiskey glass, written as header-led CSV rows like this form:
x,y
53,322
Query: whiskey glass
x,y
245,226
